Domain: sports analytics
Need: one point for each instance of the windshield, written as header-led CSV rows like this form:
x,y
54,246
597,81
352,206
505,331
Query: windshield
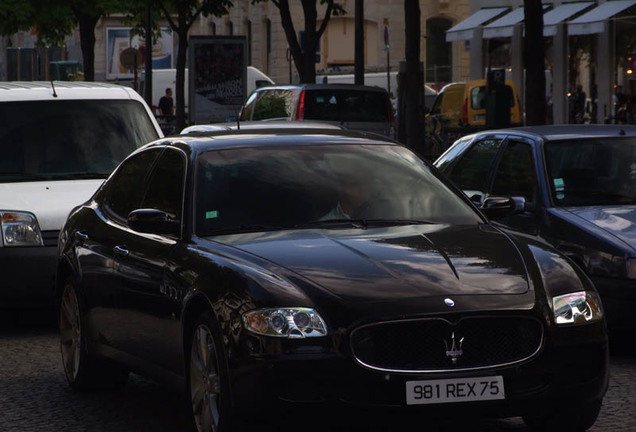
x,y
322,185
594,171
69,139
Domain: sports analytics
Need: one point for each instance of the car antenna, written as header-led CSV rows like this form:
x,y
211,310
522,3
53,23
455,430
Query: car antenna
x,y
238,122
53,87
621,131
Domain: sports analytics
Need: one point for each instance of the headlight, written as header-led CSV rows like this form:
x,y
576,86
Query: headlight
x,y
285,322
20,229
577,308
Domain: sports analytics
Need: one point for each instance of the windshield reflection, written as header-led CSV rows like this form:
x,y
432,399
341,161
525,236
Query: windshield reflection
x,y
595,171
247,189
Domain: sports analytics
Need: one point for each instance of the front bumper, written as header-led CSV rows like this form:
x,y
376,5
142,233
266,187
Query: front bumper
x,y
564,374
28,275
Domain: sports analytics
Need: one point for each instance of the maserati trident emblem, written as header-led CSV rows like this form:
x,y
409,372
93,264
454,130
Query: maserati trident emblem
x,y
449,302
454,348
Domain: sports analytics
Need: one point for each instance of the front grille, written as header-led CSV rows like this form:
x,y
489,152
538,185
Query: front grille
x,y
425,344
49,238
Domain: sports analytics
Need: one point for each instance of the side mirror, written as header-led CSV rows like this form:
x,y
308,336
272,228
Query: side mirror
x,y
154,221
499,206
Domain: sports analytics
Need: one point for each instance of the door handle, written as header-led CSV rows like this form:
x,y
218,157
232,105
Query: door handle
x,y
120,250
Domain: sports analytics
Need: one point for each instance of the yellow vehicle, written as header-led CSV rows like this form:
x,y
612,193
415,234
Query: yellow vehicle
x,y
463,105
474,104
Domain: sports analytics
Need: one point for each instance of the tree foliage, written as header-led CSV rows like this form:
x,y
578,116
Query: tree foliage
x,y
55,19
16,16
304,55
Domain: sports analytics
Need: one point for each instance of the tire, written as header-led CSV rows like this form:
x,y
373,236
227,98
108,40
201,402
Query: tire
x,y
83,371
208,383
570,419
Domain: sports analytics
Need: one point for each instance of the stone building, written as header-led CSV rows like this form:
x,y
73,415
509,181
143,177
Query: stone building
x,y
267,45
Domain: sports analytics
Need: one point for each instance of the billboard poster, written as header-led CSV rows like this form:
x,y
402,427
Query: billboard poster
x,y
120,38
217,76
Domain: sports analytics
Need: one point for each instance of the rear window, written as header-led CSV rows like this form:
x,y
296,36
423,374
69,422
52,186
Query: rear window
x,y
346,105
69,139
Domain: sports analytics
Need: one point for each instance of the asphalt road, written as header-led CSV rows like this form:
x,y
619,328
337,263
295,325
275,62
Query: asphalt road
x,y
34,395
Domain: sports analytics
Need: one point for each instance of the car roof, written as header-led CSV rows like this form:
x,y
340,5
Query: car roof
x,y
259,124
11,91
264,137
317,86
560,132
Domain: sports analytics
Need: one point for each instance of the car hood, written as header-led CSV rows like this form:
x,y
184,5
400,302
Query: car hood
x,y
50,201
618,221
399,262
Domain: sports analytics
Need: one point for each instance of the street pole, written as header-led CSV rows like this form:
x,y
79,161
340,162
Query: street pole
x,y
359,43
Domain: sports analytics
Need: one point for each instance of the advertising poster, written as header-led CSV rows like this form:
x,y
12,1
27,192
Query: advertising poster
x,y
118,39
218,77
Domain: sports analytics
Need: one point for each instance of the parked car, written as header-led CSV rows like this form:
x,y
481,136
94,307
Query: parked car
x,y
59,141
573,186
214,261
366,108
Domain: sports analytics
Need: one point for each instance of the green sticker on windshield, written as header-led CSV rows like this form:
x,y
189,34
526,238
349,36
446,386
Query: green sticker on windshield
x,y
558,187
213,214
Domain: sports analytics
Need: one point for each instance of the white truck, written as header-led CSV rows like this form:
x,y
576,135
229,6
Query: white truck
x,y
164,78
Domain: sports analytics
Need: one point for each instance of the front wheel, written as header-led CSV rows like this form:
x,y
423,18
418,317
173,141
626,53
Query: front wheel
x,y
83,371
209,389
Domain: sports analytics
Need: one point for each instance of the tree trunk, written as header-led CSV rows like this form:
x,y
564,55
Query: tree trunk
x,y
534,56
87,42
307,71
413,78
180,119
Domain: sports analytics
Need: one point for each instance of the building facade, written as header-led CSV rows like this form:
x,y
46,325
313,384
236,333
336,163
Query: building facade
x,y
267,45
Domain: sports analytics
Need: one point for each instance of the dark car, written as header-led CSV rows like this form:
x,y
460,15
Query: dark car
x,y
294,270
358,107
573,186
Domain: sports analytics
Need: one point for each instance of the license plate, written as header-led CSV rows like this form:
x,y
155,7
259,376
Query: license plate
x,y
454,390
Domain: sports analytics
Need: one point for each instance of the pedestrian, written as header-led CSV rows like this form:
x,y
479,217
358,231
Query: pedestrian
x,y
619,102
166,105
579,104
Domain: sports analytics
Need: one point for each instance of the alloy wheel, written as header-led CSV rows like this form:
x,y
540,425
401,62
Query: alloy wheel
x,y
205,382
70,332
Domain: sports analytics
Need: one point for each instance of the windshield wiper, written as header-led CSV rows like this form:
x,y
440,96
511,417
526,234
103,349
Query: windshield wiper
x,y
80,175
25,175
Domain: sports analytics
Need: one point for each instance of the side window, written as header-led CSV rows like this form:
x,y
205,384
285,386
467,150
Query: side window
x,y
478,97
165,188
516,175
437,104
471,172
124,190
246,112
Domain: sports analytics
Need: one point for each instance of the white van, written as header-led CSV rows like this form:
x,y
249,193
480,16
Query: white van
x,y
167,78
59,141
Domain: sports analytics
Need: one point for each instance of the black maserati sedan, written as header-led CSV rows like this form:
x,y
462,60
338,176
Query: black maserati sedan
x,y
289,270
574,186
